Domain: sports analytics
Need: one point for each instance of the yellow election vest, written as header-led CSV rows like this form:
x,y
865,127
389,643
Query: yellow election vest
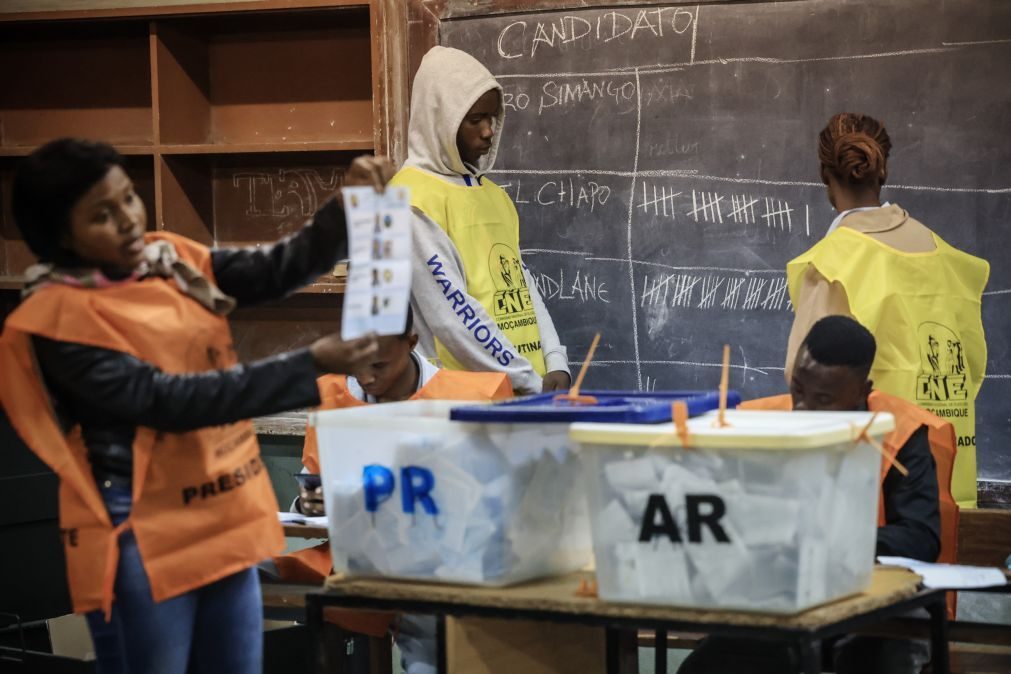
x,y
482,223
924,311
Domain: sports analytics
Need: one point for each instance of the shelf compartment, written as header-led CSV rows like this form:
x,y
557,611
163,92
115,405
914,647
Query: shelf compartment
x,y
128,150
253,148
11,282
326,285
29,10
90,80
247,199
14,254
265,79
262,331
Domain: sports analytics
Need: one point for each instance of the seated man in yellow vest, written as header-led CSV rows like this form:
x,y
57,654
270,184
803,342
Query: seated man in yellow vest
x,y
916,519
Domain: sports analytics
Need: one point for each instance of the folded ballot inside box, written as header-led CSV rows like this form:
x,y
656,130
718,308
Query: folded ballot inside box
x,y
411,493
775,511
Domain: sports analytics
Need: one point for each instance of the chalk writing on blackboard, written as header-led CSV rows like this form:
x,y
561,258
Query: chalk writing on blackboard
x,y
585,287
564,192
523,38
286,192
715,291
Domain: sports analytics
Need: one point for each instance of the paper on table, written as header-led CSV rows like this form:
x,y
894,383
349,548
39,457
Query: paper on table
x,y
950,576
378,288
299,518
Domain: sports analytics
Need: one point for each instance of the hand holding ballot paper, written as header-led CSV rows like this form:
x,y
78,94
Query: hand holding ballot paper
x,y
379,272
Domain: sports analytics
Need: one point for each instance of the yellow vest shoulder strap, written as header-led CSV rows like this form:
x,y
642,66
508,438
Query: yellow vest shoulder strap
x,y
429,194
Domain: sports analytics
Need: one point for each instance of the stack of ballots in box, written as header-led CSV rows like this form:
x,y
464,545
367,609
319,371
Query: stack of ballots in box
x,y
433,499
777,512
490,494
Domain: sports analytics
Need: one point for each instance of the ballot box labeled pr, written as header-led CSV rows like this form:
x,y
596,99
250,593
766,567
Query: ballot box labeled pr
x,y
771,511
463,493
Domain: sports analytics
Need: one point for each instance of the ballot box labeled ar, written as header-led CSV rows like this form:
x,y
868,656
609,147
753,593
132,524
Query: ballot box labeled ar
x,y
771,511
464,493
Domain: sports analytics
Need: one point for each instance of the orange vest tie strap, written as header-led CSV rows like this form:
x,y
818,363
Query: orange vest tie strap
x,y
111,564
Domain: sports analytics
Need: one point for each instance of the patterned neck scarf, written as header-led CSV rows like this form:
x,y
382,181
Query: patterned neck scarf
x,y
160,260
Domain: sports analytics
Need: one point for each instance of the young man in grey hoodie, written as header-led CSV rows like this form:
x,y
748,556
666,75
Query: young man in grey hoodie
x,y
476,305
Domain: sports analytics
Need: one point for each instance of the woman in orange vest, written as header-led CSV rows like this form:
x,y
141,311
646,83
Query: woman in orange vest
x,y
917,516
120,373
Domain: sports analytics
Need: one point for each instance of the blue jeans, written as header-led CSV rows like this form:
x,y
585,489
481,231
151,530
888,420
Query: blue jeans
x,y
215,628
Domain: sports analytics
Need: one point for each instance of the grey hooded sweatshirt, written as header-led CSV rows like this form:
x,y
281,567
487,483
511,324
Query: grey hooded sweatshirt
x,y
447,84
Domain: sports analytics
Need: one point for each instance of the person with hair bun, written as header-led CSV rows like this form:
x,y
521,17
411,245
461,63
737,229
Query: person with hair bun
x,y
919,296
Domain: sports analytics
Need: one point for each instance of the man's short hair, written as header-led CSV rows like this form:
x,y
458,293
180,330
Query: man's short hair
x,y
840,340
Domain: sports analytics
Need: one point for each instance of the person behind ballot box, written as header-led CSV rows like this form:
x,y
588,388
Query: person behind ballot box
x,y
476,303
120,373
396,373
917,516
919,296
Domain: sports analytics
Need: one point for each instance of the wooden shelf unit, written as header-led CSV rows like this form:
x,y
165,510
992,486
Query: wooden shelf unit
x,y
236,123
249,148
25,150
85,79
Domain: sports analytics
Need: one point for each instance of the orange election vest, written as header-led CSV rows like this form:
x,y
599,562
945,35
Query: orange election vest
x,y
444,385
313,565
908,419
203,506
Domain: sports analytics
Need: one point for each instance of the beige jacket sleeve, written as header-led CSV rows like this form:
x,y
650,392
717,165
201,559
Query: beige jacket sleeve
x,y
818,298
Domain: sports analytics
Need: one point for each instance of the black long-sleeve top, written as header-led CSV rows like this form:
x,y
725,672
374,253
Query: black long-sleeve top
x,y
109,393
912,513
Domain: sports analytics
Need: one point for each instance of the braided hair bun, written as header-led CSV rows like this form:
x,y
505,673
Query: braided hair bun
x,y
854,148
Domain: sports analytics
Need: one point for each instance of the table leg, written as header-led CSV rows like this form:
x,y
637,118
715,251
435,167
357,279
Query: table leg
x,y
939,657
660,652
612,645
810,656
440,645
314,623
621,650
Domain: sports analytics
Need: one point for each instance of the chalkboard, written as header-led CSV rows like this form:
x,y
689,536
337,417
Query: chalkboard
x,y
663,162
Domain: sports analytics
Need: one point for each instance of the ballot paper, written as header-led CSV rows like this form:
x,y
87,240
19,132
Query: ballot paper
x,y
950,576
299,518
378,287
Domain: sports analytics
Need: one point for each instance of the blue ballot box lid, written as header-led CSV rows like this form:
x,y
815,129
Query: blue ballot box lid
x,y
623,407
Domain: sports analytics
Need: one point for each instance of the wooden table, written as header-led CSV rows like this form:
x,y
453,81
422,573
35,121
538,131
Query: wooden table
x,y
286,424
286,601
292,530
893,592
